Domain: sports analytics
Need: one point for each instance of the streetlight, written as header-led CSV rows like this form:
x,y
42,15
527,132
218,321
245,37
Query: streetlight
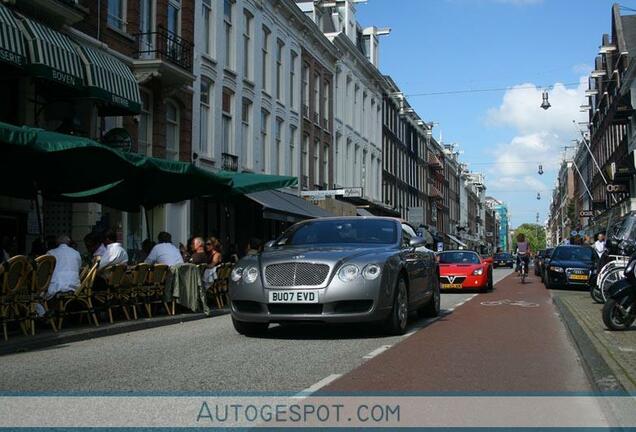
x,y
538,195
545,104
540,169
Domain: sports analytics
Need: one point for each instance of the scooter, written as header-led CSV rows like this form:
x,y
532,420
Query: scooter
x,y
619,312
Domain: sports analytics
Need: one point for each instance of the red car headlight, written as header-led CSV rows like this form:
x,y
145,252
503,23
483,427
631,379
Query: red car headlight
x,y
478,272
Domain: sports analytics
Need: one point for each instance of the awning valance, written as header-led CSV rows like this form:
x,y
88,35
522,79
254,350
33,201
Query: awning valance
x,y
456,240
109,79
12,47
52,55
279,205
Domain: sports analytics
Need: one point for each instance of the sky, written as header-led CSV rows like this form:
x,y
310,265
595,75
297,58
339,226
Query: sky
x,y
520,46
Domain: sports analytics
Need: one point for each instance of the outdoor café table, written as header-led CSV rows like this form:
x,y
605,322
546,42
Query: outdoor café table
x,y
185,286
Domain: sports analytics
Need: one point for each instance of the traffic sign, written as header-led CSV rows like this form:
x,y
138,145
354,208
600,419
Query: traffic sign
x,y
574,233
586,213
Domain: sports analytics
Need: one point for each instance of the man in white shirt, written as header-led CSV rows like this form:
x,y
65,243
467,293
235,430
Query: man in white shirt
x,y
599,245
68,263
115,253
94,246
164,252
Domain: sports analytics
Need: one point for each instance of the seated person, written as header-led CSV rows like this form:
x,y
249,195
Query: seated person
x,y
67,268
164,252
94,246
115,253
199,256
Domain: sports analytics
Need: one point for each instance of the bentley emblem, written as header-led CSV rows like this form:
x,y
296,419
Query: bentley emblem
x,y
297,257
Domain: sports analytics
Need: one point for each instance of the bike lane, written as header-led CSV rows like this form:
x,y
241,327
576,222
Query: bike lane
x,y
508,340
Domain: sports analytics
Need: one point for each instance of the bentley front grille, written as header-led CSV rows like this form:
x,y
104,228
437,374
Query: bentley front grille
x,y
296,274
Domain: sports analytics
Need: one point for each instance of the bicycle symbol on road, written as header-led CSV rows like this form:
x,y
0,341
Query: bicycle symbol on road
x,y
520,303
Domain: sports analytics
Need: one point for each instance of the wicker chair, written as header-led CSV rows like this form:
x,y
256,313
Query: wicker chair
x,y
154,289
137,284
82,295
221,284
115,293
40,280
15,298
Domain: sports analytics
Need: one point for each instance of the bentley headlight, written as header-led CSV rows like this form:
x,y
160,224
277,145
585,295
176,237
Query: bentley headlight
x,y
348,273
557,269
237,274
250,274
371,271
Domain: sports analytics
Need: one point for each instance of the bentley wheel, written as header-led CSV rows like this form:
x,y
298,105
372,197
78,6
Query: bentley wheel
x,y
249,328
432,308
396,323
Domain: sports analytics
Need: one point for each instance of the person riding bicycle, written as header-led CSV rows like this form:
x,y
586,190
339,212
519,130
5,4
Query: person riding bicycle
x,y
523,252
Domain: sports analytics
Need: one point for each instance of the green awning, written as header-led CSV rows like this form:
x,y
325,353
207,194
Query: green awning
x,y
34,159
110,80
12,48
154,181
52,55
244,183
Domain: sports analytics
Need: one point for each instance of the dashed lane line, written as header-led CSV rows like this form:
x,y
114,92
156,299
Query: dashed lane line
x,y
317,386
377,351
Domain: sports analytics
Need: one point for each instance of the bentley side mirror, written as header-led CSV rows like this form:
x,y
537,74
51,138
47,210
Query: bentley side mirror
x,y
270,244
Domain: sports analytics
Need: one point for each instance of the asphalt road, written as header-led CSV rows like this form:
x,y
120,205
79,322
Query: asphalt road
x,y
208,355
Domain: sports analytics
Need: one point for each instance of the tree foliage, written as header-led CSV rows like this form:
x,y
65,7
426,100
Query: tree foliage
x,y
535,235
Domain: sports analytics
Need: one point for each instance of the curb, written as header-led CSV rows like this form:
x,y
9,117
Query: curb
x,y
31,344
601,376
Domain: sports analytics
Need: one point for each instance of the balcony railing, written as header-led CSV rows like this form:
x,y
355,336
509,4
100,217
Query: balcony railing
x,y
434,192
229,162
435,162
165,45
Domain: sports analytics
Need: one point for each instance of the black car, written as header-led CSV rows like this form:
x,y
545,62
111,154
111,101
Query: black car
x,y
503,260
540,262
571,266
536,261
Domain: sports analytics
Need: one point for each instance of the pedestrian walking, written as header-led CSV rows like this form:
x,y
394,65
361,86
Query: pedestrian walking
x,y
599,245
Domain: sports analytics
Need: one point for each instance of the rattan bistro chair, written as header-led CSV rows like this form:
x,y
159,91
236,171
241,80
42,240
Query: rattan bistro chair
x,y
114,294
154,289
138,278
15,297
40,281
82,295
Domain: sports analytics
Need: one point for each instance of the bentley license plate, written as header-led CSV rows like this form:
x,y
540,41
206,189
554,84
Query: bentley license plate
x,y
451,286
297,296
578,277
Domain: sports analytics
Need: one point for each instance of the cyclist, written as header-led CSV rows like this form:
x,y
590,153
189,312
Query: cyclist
x,y
523,252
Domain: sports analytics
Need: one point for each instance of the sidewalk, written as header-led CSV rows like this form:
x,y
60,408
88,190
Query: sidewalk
x,y
610,357
45,337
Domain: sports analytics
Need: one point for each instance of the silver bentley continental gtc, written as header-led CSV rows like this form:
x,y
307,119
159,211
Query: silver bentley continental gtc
x,y
337,270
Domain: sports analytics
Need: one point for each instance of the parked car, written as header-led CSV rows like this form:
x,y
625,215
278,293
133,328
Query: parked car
x,y
337,270
536,262
461,269
544,262
571,266
503,260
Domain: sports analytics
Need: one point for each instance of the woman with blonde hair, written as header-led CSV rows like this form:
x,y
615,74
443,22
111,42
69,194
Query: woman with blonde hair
x,y
215,251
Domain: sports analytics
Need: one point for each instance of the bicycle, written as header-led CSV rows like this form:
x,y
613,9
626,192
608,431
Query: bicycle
x,y
524,271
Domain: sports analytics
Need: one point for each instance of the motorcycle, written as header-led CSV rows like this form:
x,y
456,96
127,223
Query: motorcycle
x,y
619,312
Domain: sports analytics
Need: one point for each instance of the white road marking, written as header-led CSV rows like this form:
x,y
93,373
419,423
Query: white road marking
x,y
317,386
377,351
629,350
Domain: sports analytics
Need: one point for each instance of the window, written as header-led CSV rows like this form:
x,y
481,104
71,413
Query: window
x,y
207,27
265,58
305,157
279,69
292,151
305,94
247,44
146,15
363,117
145,125
117,14
174,17
172,131
317,162
226,107
264,153
317,95
247,147
325,165
325,102
228,5
292,78
278,151
204,114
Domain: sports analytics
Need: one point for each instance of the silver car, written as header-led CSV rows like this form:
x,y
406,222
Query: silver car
x,y
337,270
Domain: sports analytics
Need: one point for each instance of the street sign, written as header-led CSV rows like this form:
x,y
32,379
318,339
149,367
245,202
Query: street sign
x,y
586,213
574,233
354,192
617,188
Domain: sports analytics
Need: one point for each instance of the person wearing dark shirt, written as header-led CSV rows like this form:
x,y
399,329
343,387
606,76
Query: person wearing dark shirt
x,y
199,256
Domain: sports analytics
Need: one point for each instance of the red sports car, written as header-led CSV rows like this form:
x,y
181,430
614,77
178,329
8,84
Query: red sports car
x,y
463,269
